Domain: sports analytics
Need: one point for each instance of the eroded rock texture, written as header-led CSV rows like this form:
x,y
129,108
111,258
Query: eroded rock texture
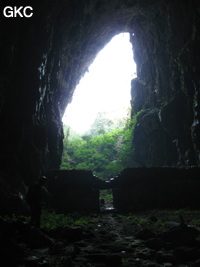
x,y
44,57
167,87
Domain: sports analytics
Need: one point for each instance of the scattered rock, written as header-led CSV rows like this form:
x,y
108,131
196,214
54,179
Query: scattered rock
x,y
155,243
35,238
145,234
195,264
89,246
153,218
113,260
187,254
69,234
166,257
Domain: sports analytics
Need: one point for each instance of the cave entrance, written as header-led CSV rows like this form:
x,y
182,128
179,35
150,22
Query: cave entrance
x,y
100,105
106,200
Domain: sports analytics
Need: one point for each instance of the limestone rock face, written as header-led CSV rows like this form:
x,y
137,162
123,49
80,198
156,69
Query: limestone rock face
x,y
44,57
167,87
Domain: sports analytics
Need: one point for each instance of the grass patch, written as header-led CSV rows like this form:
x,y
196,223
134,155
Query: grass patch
x,y
191,217
175,211
135,220
52,220
195,222
165,218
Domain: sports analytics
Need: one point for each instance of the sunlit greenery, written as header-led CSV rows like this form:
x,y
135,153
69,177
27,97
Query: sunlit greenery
x,y
106,149
106,195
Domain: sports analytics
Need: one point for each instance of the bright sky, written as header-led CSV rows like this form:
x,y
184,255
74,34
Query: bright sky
x,y
106,87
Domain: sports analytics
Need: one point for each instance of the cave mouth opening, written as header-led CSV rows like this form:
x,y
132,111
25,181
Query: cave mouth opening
x,y
100,104
105,87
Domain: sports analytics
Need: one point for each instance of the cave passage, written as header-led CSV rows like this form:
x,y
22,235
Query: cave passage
x,y
105,87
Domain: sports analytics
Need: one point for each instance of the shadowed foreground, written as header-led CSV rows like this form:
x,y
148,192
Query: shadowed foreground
x,y
159,238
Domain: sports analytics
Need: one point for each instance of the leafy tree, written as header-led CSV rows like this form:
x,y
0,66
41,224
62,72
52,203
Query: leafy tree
x,y
105,151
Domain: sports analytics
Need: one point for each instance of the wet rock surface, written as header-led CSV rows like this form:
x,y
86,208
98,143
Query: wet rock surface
x,y
109,240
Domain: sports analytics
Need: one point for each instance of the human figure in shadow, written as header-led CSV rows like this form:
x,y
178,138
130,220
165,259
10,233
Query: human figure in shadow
x,y
34,199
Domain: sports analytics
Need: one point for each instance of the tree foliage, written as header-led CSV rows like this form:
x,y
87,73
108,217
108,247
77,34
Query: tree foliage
x,y
106,149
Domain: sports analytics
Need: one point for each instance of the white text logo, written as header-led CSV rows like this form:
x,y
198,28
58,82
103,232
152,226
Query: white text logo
x,y
13,12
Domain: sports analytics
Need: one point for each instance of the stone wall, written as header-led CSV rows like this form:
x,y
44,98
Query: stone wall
x,y
74,190
134,189
137,189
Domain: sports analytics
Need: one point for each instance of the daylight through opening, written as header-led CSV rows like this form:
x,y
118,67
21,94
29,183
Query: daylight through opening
x,y
97,121
105,87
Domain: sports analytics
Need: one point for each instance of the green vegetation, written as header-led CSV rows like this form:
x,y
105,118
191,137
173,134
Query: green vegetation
x,y
195,222
166,218
192,217
52,220
106,149
106,195
136,220
176,212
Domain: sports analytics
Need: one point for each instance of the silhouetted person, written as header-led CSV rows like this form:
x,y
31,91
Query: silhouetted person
x,y
34,199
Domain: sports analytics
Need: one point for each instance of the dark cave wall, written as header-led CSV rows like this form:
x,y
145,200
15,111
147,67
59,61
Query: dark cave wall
x,y
44,57
30,119
167,86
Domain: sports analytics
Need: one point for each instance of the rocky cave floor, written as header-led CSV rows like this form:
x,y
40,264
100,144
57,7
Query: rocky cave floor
x,y
150,239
